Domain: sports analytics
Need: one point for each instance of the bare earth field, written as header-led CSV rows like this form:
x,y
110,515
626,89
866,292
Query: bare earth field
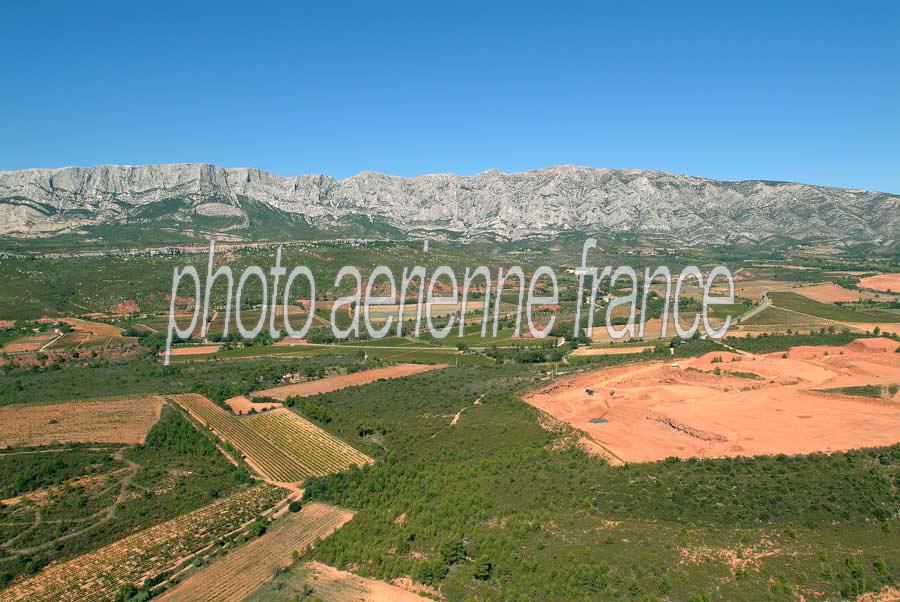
x,y
239,573
755,289
652,328
329,583
111,420
97,328
763,404
832,293
609,350
242,405
882,282
333,383
194,350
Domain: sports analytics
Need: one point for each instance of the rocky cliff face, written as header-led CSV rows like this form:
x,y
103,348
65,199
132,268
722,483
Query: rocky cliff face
x,y
536,204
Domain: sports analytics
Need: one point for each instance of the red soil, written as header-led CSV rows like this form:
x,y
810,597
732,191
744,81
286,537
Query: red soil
x,y
882,282
657,410
242,405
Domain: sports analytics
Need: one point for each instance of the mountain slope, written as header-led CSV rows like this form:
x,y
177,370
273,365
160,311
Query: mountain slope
x,y
250,203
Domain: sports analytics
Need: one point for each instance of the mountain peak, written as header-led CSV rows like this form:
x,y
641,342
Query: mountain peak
x,y
540,203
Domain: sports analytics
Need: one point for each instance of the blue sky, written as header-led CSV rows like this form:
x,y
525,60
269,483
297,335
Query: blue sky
x,y
801,91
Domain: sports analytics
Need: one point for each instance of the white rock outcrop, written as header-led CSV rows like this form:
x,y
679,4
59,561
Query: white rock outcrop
x,y
542,203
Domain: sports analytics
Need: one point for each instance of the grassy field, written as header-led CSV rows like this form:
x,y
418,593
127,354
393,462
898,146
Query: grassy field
x,y
775,316
798,303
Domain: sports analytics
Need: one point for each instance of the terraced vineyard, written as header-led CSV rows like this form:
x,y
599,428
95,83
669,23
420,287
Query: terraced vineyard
x,y
284,447
238,574
316,449
144,555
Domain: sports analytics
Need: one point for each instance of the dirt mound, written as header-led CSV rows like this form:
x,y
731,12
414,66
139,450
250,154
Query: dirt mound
x,y
876,345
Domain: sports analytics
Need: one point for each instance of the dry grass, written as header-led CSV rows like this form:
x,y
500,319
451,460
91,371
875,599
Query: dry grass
x,y
108,420
333,383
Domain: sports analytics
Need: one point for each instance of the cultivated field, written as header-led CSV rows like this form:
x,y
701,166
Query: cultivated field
x,y
109,420
333,383
239,573
193,350
756,289
622,350
29,343
652,328
317,450
882,282
381,312
283,447
832,293
725,404
797,303
776,317
97,576
97,328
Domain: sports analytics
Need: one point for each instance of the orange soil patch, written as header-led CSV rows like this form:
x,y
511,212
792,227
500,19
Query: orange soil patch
x,y
744,558
242,405
329,583
882,282
655,410
832,293
875,345
193,350
97,328
333,383
128,306
609,350
238,574
112,420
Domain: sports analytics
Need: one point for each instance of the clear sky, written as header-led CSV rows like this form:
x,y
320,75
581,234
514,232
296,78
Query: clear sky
x,y
801,91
